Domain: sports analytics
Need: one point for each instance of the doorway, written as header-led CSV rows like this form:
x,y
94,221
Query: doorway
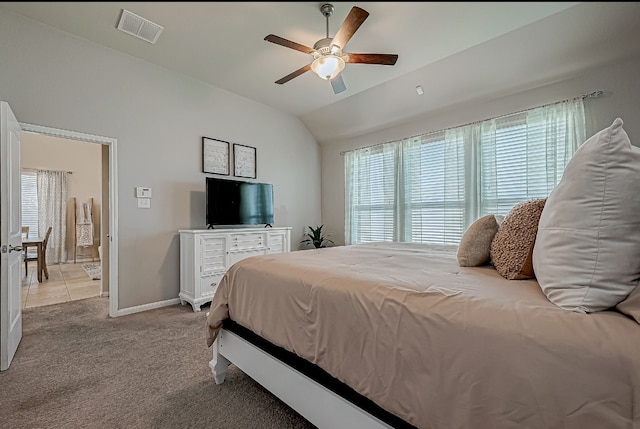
x,y
61,190
108,207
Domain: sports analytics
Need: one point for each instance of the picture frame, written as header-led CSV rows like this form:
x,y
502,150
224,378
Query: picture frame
x,y
244,161
215,156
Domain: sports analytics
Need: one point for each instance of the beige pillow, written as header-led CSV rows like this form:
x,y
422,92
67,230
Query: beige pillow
x,y
475,244
512,245
587,252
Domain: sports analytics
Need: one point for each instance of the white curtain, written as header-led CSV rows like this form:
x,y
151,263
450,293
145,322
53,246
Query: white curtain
x,y
431,187
524,155
370,194
52,212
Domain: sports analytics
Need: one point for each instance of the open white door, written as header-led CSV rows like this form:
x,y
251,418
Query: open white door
x,y
10,236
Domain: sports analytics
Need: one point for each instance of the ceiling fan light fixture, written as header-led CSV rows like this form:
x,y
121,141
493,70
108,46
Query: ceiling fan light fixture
x,y
328,59
328,66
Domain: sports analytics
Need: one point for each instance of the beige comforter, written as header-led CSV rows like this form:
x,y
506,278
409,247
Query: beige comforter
x,y
439,345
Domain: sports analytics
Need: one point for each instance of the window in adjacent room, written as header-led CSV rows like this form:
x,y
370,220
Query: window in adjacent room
x,y
30,202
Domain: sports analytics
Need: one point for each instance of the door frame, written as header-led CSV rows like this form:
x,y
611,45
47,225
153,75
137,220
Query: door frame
x,y
113,197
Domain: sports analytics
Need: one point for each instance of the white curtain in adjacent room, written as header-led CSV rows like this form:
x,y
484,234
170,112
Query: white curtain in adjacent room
x,y
52,212
430,188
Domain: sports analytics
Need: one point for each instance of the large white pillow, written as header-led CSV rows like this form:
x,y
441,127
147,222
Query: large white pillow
x,y
587,250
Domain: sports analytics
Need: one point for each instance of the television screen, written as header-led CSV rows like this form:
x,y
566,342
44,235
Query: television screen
x,y
233,202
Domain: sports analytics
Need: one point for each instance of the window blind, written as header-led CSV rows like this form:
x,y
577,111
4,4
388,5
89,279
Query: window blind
x,y
29,197
430,188
371,194
433,191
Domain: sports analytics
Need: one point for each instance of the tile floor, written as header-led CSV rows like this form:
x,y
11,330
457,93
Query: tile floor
x,y
67,282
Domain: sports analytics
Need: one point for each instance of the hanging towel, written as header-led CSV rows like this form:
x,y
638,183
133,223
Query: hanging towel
x,y
87,213
84,227
85,234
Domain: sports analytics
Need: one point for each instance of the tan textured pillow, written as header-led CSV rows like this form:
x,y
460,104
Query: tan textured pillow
x,y
512,246
475,244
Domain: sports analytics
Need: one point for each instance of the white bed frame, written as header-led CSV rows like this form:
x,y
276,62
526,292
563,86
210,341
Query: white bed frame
x,y
316,403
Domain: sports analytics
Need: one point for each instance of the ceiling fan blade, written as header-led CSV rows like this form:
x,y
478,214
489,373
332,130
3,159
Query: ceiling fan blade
x,y
288,43
352,22
338,84
296,73
383,59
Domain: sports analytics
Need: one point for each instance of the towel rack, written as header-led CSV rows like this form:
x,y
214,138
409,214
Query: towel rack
x,y
83,232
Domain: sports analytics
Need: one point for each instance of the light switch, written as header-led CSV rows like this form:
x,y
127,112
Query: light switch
x,y
143,192
144,203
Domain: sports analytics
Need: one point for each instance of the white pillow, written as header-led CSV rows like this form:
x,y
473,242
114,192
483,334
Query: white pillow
x,y
587,250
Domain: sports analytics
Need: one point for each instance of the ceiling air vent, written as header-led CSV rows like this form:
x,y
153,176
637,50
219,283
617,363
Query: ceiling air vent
x,y
137,26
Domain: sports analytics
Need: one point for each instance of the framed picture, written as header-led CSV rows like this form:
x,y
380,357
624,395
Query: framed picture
x,y
215,156
244,158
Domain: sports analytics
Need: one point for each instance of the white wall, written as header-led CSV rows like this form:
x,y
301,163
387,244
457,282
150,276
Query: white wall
x,y
158,117
621,94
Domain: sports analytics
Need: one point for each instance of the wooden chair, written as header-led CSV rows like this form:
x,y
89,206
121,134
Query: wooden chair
x,y
26,254
29,257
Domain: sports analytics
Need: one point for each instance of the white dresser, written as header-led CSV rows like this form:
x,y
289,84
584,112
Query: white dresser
x,y
206,254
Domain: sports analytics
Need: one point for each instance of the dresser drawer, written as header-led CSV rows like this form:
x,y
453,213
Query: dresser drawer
x,y
209,284
242,254
247,241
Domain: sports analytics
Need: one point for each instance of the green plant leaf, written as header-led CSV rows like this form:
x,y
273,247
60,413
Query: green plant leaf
x,y
316,237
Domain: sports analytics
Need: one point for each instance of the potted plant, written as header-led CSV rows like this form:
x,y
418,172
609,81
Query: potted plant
x,y
316,237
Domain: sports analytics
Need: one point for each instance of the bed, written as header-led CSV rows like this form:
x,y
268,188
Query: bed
x,y
531,322
415,340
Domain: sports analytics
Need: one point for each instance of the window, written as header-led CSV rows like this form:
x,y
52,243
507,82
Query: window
x,y
430,188
371,192
434,189
30,202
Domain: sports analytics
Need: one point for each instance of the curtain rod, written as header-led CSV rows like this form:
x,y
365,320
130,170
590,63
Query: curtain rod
x,y
36,169
594,94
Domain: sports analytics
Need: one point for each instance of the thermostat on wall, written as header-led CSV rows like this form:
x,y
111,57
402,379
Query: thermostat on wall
x,y
143,192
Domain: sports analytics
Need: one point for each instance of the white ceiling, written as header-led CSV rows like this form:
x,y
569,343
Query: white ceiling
x,y
458,51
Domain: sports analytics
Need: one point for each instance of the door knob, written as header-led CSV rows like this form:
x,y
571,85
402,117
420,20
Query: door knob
x,y
15,248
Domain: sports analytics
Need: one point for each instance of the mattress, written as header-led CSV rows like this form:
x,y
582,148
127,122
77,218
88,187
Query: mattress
x,y
438,345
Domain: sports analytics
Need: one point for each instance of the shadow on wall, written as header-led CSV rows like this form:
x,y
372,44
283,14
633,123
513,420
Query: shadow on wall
x,y
281,216
170,277
197,209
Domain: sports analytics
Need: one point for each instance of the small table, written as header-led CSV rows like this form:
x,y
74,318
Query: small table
x,y
37,243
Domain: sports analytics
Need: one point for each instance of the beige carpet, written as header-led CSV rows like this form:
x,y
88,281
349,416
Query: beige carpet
x,y
78,368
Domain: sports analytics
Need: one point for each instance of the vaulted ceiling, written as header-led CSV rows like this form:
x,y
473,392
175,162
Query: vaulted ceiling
x,y
457,51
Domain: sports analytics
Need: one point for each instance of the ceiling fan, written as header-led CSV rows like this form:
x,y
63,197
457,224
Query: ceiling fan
x,y
328,54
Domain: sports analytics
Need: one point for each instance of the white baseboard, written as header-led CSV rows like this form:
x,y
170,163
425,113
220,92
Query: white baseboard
x,y
146,307
104,294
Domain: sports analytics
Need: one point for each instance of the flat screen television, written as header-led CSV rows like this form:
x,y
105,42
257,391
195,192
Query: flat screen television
x,y
234,202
